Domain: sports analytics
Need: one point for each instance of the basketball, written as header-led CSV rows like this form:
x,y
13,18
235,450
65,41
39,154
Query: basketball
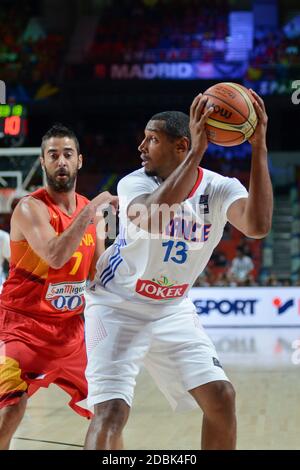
x,y
234,118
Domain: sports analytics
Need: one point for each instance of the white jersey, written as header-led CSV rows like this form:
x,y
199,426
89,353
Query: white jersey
x,y
161,268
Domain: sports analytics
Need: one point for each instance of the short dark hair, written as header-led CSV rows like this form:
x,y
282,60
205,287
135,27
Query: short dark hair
x,y
59,130
176,123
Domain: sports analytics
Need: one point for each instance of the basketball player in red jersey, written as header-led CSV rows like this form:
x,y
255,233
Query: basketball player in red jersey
x,y
53,243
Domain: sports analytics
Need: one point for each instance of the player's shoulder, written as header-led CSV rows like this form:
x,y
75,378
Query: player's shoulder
x,y
137,174
137,178
30,201
29,205
216,179
212,176
33,201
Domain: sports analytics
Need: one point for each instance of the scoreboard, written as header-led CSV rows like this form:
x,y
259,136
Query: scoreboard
x,y
13,122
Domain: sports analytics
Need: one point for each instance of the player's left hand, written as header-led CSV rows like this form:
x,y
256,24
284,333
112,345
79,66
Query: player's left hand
x,y
259,136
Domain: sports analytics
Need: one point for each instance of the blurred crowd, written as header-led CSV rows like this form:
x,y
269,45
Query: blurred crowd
x,y
32,56
183,31
228,279
169,31
224,279
243,270
273,55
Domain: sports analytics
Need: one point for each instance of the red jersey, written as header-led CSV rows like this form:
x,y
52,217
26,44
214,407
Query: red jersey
x,y
33,288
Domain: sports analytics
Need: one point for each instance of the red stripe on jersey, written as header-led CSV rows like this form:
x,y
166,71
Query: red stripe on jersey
x,y
197,184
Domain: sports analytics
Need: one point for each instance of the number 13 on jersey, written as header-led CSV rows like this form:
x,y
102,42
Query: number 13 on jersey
x,y
177,250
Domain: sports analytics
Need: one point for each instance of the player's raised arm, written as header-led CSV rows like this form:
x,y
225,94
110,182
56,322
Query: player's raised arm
x,y
32,220
186,149
253,215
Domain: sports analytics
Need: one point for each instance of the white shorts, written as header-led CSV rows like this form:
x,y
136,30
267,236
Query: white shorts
x,y
173,347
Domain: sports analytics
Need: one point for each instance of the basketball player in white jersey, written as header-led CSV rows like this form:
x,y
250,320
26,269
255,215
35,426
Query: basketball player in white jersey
x,y
137,309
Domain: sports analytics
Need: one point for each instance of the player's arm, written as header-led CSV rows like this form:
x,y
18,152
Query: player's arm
x,y
179,184
32,220
253,215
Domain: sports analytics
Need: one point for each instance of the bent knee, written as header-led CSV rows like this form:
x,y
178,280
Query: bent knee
x,y
224,397
217,398
227,394
13,414
112,415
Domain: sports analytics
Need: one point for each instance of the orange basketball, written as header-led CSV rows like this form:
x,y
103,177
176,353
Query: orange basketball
x,y
234,118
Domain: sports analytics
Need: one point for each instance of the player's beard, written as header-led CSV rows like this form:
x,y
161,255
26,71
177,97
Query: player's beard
x,y
61,186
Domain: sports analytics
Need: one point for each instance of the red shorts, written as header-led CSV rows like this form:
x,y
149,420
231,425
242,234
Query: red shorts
x,y
35,353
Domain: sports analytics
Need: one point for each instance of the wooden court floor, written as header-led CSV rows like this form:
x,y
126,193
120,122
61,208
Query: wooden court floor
x,y
260,365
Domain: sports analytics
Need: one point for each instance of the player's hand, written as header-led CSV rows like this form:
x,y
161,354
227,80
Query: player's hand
x,y
102,201
198,119
259,136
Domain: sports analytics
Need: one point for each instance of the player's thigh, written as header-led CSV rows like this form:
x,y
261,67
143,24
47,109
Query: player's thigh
x,y
182,356
116,342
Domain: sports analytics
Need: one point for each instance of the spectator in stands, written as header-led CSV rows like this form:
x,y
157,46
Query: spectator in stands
x,y
249,281
221,280
272,281
219,259
241,266
245,248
